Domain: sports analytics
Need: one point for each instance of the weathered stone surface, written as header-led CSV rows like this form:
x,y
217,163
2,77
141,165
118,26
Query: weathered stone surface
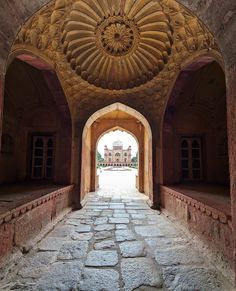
x,y
140,271
132,211
106,244
119,220
38,265
137,259
63,231
177,255
148,231
138,216
132,249
121,215
83,228
73,250
107,213
117,206
121,226
101,220
164,243
102,235
82,236
138,222
124,235
62,276
75,222
104,227
102,259
6,239
120,211
191,278
51,244
97,280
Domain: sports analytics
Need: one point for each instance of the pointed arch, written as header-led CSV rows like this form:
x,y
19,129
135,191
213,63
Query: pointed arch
x,y
138,127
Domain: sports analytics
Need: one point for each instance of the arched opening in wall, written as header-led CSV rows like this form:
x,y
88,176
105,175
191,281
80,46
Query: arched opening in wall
x,y
195,152
117,160
36,145
116,116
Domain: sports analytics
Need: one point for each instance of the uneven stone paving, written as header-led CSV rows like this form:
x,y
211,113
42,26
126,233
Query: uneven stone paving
x,y
116,242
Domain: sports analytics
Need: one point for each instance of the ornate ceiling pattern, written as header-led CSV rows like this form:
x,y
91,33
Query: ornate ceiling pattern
x,y
117,47
115,50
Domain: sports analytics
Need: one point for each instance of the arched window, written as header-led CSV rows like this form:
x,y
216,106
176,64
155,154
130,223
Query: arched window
x,y
42,157
191,159
117,154
109,154
125,154
8,144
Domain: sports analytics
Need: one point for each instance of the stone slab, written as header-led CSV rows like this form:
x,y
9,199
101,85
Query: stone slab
x,y
104,227
62,276
119,220
124,235
192,278
97,280
133,249
73,250
106,244
181,255
137,272
102,259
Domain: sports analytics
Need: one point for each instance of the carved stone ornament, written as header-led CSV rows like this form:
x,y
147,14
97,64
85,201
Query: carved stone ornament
x,y
117,44
109,50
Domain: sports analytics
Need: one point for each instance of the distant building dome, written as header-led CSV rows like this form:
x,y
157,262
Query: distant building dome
x,y
117,143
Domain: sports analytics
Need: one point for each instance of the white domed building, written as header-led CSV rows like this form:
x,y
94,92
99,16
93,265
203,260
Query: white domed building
x,y
117,156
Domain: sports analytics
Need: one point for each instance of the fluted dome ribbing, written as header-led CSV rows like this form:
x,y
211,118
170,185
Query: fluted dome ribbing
x,y
117,44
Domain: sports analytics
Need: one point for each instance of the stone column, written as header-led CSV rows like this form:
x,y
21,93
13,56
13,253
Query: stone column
x,y
231,116
1,106
157,167
76,158
93,158
141,160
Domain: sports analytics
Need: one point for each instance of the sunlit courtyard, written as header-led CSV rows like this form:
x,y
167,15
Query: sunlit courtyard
x,y
119,178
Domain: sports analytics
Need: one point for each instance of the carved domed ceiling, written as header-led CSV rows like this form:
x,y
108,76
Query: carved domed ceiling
x,y
115,50
117,45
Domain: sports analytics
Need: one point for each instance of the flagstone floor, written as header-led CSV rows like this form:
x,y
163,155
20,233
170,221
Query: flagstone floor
x,y
116,242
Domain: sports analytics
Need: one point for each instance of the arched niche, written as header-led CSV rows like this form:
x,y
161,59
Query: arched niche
x,y
35,105
196,108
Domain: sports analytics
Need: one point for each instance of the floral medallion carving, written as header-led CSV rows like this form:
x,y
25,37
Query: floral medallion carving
x,y
117,44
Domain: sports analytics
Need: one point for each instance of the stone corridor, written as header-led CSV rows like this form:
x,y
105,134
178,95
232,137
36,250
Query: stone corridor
x,y
116,242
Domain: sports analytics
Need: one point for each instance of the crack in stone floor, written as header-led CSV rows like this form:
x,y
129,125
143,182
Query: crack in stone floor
x,y
116,242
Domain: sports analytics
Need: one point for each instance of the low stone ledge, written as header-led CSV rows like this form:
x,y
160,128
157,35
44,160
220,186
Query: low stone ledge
x,y
18,211
26,222
210,211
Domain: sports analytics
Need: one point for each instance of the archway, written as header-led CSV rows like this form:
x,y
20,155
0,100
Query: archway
x,y
195,154
114,116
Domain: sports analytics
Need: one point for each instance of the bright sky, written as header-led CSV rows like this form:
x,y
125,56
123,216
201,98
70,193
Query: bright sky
x,y
110,137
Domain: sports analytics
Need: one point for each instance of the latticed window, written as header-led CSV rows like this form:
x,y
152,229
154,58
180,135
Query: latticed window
x,y
42,157
191,159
